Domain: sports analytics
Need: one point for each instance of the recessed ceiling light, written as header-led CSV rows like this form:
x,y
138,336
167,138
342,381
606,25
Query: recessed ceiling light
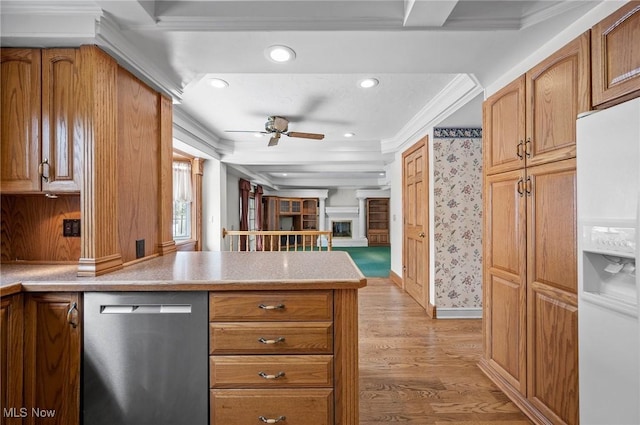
x,y
257,134
367,83
284,174
280,54
382,174
218,83
349,134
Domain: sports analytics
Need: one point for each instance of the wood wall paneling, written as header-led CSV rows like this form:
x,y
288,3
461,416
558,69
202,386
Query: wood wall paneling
x,y
165,159
20,120
138,166
100,244
32,228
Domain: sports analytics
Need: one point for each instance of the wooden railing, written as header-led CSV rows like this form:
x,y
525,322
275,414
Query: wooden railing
x,y
278,240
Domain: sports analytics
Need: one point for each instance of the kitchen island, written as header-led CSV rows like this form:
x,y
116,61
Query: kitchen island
x,y
300,290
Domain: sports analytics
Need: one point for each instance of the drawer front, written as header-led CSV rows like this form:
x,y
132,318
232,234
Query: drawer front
x,y
271,306
292,407
271,338
270,371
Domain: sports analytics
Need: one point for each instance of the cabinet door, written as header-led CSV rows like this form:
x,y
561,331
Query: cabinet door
x,y
20,120
504,128
61,126
558,89
552,291
505,277
52,357
11,358
615,44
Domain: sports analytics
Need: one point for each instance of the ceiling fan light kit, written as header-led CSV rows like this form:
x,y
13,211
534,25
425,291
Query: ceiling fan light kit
x,y
277,126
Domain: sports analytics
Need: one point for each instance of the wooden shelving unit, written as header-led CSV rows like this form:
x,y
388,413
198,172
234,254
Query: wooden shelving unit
x,y
297,213
378,221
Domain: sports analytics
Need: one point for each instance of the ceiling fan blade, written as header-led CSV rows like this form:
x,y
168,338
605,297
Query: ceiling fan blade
x,y
315,136
274,140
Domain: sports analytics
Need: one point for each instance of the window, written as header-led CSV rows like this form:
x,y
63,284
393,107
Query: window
x,y
182,198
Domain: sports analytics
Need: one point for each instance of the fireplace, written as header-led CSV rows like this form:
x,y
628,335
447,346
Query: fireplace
x,y
341,229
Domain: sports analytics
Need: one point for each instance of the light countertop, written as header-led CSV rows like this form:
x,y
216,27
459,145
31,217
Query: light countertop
x,y
191,271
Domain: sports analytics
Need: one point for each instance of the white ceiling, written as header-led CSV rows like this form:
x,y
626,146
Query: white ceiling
x,y
431,58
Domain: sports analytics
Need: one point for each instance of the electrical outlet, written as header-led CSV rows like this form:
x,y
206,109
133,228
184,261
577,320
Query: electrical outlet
x,y
71,228
140,248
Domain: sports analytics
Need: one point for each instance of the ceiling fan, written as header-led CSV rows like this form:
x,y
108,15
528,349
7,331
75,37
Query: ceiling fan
x,y
278,126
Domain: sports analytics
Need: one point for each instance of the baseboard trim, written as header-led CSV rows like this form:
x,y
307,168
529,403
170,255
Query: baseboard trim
x,y
518,399
397,280
459,313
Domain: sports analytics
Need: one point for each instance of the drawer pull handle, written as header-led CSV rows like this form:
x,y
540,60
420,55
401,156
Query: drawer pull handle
x,y
265,376
271,341
272,307
271,421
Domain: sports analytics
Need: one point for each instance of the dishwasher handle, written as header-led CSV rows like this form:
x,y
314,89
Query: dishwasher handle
x,y
145,309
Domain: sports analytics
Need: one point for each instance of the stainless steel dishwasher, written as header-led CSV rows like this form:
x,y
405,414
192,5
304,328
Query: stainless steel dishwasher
x,y
145,358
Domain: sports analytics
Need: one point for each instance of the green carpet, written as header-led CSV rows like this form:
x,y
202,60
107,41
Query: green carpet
x,y
373,261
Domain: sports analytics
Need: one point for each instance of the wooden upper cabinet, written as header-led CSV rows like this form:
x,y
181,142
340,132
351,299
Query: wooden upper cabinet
x,y
504,128
20,120
61,125
615,44
558,89
41,133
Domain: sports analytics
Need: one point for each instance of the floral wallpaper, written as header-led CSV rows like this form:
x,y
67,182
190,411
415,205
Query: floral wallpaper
x,y
458,217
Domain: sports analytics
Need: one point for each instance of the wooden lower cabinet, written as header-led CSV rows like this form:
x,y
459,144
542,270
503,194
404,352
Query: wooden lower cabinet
x,y
291,407
530,289
11,359
272,358
52,344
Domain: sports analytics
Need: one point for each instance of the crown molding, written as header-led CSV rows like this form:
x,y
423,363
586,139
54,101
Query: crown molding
x,y
462,89
190,131
63,8
109,37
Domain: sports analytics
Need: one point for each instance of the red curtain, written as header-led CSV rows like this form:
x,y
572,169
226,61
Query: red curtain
x,y
258,204
245,188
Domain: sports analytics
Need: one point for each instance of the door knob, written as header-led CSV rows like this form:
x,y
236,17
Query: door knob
x,y
421,234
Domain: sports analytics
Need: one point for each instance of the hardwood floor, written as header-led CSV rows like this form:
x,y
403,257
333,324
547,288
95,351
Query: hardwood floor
x,y
415,370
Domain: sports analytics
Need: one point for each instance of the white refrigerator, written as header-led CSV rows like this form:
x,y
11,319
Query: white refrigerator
x,y
608,181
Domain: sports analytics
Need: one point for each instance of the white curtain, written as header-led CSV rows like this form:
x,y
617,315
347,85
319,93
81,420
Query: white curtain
x,y
182,181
